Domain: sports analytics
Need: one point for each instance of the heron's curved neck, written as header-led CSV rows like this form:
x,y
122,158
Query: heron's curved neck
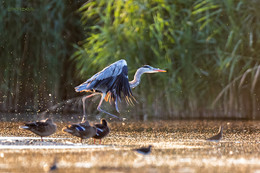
x,y
137,78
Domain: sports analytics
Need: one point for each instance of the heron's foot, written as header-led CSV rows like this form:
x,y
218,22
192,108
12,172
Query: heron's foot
x,y
119,118
117,109
116,106
101,110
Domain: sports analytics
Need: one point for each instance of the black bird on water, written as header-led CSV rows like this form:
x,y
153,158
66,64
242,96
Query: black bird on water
x,y
102,130
217,137
111,83
144,150
54,166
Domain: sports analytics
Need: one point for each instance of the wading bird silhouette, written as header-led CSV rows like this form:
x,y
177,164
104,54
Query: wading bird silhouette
x,y
218,136
144,150
54,166
111,82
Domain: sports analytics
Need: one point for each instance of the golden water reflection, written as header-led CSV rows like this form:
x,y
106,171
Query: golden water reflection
x,y
178,146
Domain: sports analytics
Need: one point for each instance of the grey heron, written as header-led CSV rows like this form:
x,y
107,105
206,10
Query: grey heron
x,y
111,82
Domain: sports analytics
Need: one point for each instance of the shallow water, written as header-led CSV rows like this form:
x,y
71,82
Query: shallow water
x,y
178,146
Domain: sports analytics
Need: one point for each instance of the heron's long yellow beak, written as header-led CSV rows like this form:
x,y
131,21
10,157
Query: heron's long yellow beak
x,y
159,70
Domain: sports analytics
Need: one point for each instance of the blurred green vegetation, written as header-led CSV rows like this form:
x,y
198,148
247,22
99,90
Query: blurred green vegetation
x,y
209,49
36,42
205,45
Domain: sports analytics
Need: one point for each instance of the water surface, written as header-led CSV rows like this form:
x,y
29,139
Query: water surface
x,y
178,146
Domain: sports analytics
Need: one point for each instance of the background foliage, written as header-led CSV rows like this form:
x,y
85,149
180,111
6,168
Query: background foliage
x,y
209,48
36,42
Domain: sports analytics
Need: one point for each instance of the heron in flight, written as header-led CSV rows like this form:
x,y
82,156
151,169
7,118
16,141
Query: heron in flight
x,y
111,83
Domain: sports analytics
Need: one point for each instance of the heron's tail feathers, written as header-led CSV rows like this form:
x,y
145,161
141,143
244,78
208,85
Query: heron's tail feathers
x,y
130,100
121,89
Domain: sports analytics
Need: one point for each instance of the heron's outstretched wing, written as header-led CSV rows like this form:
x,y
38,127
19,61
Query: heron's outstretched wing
x,y
112,80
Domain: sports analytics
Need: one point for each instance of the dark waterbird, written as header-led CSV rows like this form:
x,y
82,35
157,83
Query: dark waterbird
x,y
82,130
217,137
111,82
102,130
42,128
54,166
144,150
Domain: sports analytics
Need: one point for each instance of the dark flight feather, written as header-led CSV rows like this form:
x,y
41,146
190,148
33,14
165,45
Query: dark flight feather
x,y
113,80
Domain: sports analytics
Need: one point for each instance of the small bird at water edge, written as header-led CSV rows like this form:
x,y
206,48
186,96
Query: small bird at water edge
x,y
42,128
54,166
102,130
217,137
82,130
144,150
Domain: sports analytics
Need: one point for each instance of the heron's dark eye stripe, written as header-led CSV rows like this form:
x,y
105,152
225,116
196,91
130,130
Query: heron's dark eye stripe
x,y
146,66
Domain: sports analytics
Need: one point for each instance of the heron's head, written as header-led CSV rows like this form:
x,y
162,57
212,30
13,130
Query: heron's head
x,y
150,69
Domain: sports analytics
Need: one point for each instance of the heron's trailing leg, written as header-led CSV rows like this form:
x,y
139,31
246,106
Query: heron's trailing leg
x,y
101,110
83,100
116,105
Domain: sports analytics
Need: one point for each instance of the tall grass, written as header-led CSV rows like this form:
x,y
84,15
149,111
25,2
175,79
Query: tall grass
x,y
209,48
205,45
35,45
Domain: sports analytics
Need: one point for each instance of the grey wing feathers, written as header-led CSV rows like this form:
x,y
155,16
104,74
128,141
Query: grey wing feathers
x,y
109,72
111,80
